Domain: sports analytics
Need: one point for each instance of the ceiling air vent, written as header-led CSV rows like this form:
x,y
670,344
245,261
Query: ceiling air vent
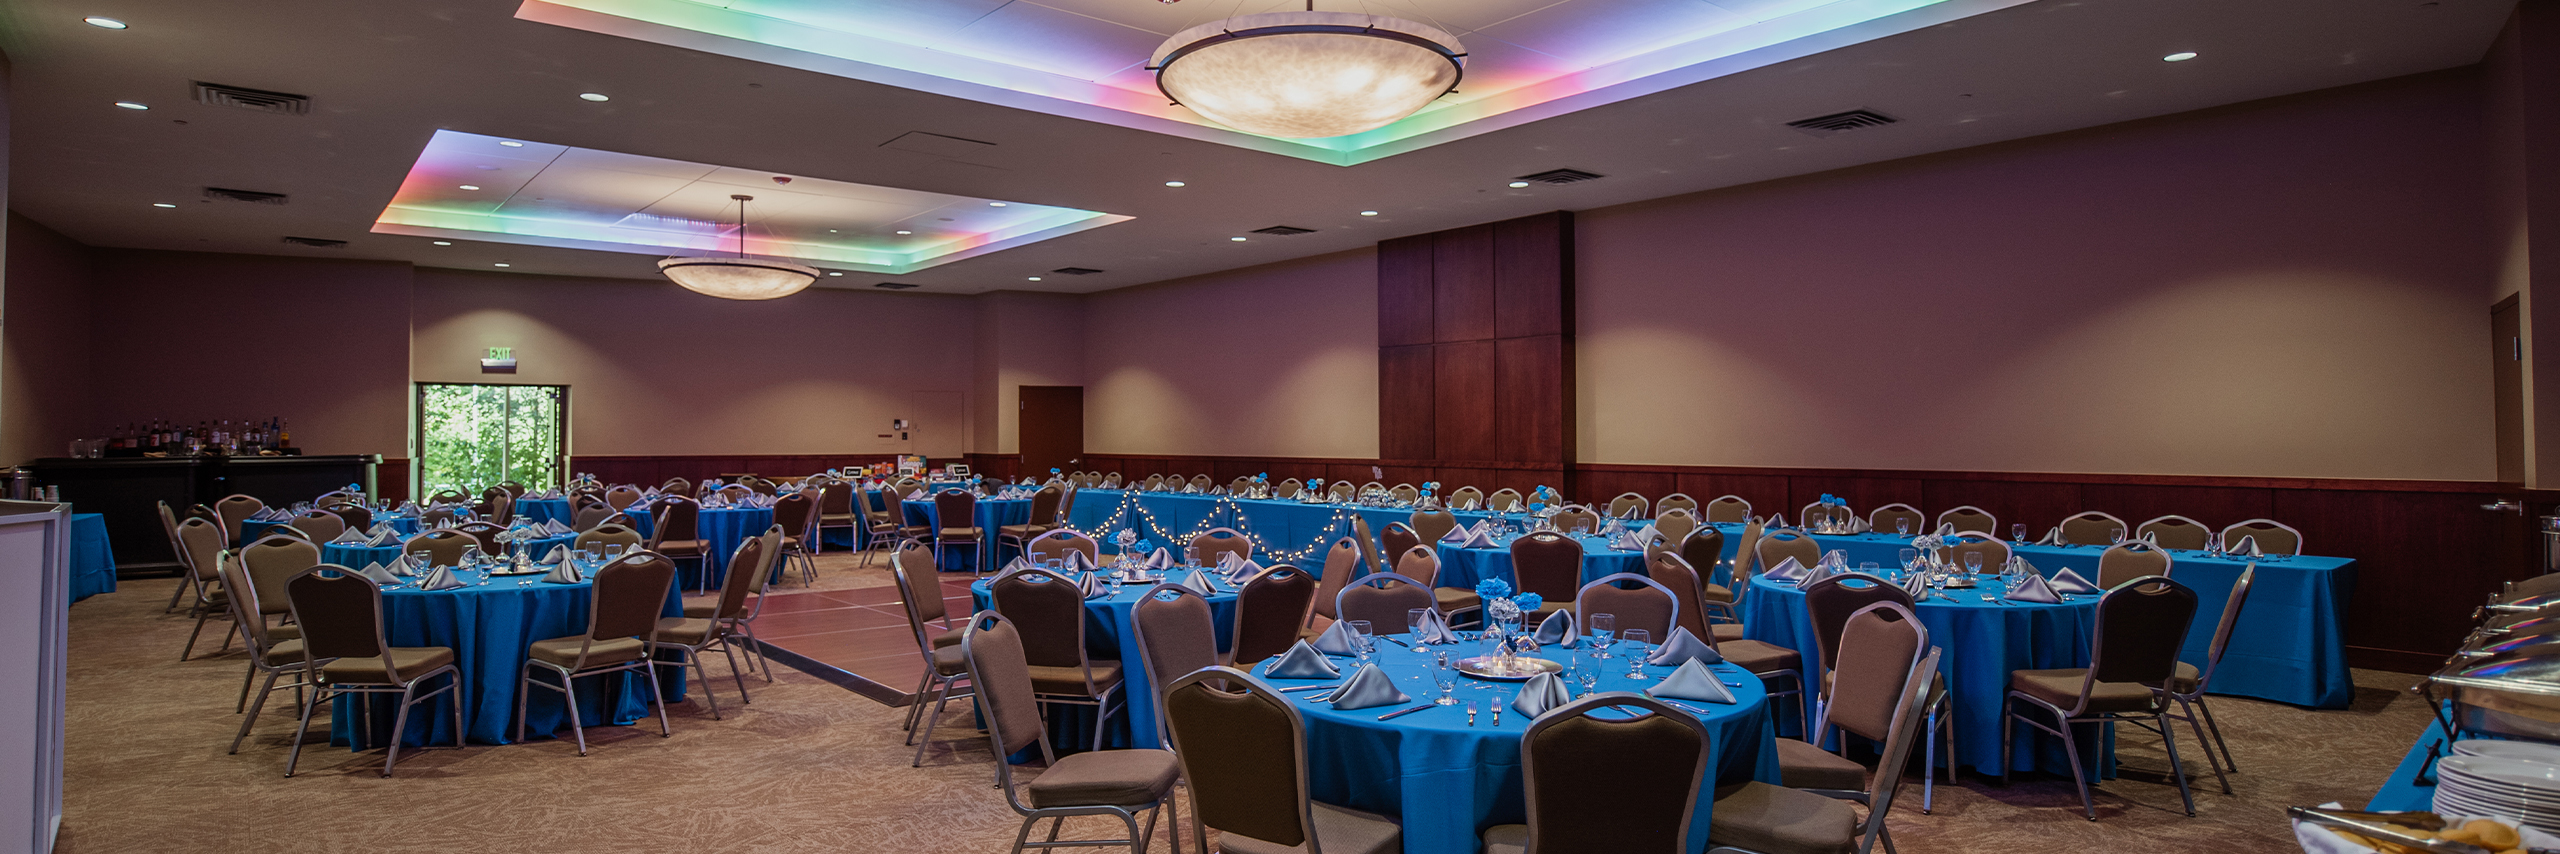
x,y
315,242
1560,177
896,286
1284,231
251,196
1075,271
1839,123
260,100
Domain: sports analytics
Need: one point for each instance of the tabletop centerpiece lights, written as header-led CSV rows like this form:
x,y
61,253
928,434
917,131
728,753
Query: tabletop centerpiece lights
x,y
740,277
1308,74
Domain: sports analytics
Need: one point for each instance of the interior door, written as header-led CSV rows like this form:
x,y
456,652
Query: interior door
x,y
2513,546
1052,431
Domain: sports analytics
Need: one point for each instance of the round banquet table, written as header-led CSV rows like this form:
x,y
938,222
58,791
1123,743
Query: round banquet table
x,y
1462,567
1448,781
543,509
1983,641
723,528
488,625
992,513
358,557
1111,635
93,559
250,531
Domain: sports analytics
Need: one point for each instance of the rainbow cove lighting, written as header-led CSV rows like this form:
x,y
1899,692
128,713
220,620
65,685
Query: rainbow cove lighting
x,y
539,194
1309,74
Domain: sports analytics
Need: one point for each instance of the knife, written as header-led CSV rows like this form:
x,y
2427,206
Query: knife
x,y
1403,712
1310,688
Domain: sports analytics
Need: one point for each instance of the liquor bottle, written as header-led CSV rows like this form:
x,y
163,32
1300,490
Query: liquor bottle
x,y
284,435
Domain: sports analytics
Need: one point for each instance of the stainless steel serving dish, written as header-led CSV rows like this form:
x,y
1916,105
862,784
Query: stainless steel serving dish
x,y
2512,693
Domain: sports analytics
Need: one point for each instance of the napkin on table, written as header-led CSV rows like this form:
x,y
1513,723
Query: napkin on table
x,y
1336,639
441,579
1367,688
1245,569
565,573
383,537
1682,646
2249,547
1198,582
348,537
375,573
1090,585
557,554
1162,559
1017,564
2067,581
1691,682
1917,585
1457,535
1788,571
1481,539
408,565
2052,537
1301,662
1559,629
1077,560
1540,694
1434,628
2034,589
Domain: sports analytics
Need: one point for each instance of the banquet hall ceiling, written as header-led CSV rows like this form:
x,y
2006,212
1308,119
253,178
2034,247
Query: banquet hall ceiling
x,y
384,78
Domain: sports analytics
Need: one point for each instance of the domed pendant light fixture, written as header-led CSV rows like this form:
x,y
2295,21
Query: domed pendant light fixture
x,y
1308,75
740,277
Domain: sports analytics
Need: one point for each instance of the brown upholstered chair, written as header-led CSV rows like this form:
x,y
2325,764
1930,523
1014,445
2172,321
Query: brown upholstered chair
x,y
186,579
2273,537
355,516
836,510
1467,498
1287,490
937,640
608,534
2141,626
1422,564
887,528
1575,518
1647,606
1049,611
1548,564
1655,763
2188,686
1677,501
1764,819
1206,548
201,545
1775,547
1111,783
449,495
340,613
1202,482
1341,562
1629,505
1177,633
269,563
1045,505
1343,490
622,496
955,514
698,632
1675,524
1396,539
797,515
275,651
588,517
1383,599
1430,525
440,515
1153,483
1504,500
622,628
2131,560
1772,663
1056,544
1897,519
234,509
1971,518
1703,549
441,548
1675,573
497,505
1728,508
2175,532
2092,528
1404,493
1243,749
675,530
1995,554
1270,608
484,532
1833,602
739,618
514,489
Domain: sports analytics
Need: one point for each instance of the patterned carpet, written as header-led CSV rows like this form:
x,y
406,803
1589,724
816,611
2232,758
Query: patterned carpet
x,y
812,767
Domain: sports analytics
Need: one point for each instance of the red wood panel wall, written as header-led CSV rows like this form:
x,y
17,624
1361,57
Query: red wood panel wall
x,y
1475,349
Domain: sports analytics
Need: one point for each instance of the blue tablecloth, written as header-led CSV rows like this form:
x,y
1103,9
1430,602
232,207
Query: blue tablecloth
x,y
2289,646
543,509
1289,532
1983,642
1110,634
1463,567
358,557
2402,790
722,527
1448,781
992,513
93,561
250,531
489,626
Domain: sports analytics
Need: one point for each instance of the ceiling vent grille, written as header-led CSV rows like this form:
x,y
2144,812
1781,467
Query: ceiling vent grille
x,y
1075,271
251,196
1840,123
1284,231
896,286
1560,177
315,242
259,100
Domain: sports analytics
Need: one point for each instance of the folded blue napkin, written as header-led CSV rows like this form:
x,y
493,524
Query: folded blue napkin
x,y
442,579
1300,662
1539,695
2248,547
557,554
1917,585
1692,682
1336,639
565,573
1077,560
1198,581
1682,647
1369,687
1434,629
1089,585
2034,589
378,574
1787,571
1559,630
1162,559
1242,571
2067,581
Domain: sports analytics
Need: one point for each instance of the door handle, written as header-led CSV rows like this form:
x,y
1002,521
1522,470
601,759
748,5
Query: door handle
x,y
2506,504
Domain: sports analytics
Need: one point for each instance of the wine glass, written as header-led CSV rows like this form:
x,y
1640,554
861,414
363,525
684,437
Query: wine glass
x,y
1867,566
1604,631
1361,640
2018,533
1445,677
1639,644
1973,563
1902,526
1588,675
1413,626
1910,558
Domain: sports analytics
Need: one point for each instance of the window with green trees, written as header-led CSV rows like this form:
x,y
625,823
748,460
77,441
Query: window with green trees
x,y
474,436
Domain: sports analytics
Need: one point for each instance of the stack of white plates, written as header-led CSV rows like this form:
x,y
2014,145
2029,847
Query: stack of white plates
x,y
2512,780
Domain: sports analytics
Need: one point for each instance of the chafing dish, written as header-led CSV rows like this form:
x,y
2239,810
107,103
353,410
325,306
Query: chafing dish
x,y
2511,693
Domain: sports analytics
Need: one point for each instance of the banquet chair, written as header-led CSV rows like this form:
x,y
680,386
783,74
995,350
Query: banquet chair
x,y
1404,493
1770,662
910,486
178,551
1066,507
269,563
1728,508
1970,518
497,505
1383,599
1675,573
1396,539
1201,482
1343,490
608,534
1368,545
201,544
1270,607
1899,519
353,514
1703,550
676,486
276,651
1056,544
1629,505
1430,525
1674,524
2140,627
1758,818
887,527
2275,538
676,531
796,515
1242,485
1677,501
1177,633
2187,687
1111,481
1838,515
1776,546
1648,606
1995,554
1548,564
442,548
937,640
835,508
486,532
1154,483
762,486
1288,489
588,489
1049,612
955,514
1109,783
514,489
2130,560
235,509
1466,498
622,628
340,613
589,517
1832,603
1422,564
622,496
1575,519
2092,528
1243,750
2175,532
1045,507
1340,563
738,618
1206,548
441,514
1655,763
734,493
288,531
449,495
691,636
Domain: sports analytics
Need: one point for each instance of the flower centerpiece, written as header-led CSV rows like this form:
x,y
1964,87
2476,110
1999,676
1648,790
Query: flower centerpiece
x,y
1831,522
1315,490
1262,485
1127,539
1502,612
1429,488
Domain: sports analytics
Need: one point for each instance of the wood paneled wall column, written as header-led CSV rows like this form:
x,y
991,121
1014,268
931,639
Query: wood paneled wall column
x,y
1475,348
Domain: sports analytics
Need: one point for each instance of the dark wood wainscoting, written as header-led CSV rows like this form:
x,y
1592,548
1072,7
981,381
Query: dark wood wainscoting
x,y
2425,551
653,469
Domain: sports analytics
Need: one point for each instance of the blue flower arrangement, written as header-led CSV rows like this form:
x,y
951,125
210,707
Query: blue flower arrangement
x,y
1490,589
1528,601
1830,500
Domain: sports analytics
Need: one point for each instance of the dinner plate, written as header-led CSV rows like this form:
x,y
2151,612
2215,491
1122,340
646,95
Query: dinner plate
x,y
1507,669
2527,751
2537,777
539,570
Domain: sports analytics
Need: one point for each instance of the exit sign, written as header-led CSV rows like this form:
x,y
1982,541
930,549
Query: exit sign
x,y
501,360
500,354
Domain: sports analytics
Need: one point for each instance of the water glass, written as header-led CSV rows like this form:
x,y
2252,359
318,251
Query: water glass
x,y
1973,563
1445,677
1604,631
2018,533
1588,675
1902,527
1639,647
1910,558
1361,640
1867,566
1413,625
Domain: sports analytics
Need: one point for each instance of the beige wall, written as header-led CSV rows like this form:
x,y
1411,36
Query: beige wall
x,y
1277,360
46,396
1023,339
2287,288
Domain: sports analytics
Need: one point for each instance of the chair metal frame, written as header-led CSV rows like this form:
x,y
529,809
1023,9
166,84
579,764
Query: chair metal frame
x,y
646,663
2191,704
322,689
2079,714
246,611
1987,530
1137,840
1096,695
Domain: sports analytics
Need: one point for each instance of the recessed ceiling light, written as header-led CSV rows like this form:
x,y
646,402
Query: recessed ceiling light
x,y
1519,184
831,231
130,105
995,204
105,23
1173,183
511,143
503,264
471,186
162,205
2180,56
835,273
1035,278
591,96
444,243
906,232
1368,213
1236,239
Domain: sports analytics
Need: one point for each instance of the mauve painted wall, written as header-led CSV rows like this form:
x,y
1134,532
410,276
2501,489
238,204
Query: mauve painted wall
x,y
1024,339
2295,287
45,392
1275,360
654,369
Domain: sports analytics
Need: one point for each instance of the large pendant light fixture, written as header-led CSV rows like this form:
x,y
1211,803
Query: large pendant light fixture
x,y
1308,75
740,277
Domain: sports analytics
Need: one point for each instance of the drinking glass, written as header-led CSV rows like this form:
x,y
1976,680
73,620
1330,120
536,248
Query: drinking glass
x,y
1361,640
1902,527
1973,562
2116,537
1639,645
1604,631
1413,626
1910,557
1588,674
1445,677
1867,566
2018,533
